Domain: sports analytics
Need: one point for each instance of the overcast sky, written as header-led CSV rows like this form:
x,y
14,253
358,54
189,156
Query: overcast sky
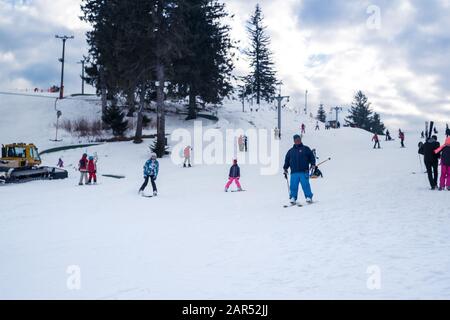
x,y
397,52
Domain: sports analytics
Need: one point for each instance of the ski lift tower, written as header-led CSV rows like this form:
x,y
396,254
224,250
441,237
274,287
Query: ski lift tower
x,y
280,100
337,109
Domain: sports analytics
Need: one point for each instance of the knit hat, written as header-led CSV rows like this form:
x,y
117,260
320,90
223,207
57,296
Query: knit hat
x,y
296,137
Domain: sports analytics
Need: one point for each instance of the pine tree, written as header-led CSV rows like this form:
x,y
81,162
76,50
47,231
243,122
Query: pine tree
x,y
262,79
377,126
115,119
361,115
321,114
204,69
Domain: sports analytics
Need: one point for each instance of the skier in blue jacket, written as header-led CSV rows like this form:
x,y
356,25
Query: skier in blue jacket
x,y
151,170
301,160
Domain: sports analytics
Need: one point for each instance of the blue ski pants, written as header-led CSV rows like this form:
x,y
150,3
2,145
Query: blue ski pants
x,y
303,179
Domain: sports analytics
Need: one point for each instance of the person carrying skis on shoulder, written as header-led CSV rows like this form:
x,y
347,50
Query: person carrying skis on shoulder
x,y
444,151
376,139
401,136
151,171
234,176
92,169
82,167
187,156
431,160
300,160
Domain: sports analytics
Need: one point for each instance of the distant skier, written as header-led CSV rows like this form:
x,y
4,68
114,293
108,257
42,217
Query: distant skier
x,y
234,176
277,134
151,170
444,151
422,135
187,156
245,143
92,169
60,163
338,124
300,160
388,135
431,160
241,143
447,131
82,167
401,136
303,127
376,139
317,126
435,130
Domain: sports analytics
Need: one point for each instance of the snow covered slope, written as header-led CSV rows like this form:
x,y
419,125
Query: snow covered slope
x,y
195,241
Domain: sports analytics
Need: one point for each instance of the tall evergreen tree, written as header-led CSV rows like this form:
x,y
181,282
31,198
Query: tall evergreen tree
x,y
377,126
360,112
321,114
262,79
362,116
205,68
135,42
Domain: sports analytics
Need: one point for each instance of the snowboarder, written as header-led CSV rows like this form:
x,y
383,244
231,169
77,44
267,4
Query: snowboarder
x,y
444,151
376,139
447,131
187,156
317,126
234,176
151,170
401,136
303,129
82,167
300,159
388,135
431,160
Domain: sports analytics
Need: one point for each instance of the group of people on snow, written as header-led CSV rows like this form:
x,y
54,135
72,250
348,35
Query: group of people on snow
x,y
88,169
432,152
376,139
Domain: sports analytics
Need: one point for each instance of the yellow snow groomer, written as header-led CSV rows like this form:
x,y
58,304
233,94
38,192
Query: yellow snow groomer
x,y
21,162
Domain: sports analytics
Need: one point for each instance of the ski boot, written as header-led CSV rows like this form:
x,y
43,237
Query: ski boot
x,y
155,193
309,200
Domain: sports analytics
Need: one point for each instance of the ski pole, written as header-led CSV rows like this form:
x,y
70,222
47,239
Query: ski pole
x,y
421,165
329,159
288,186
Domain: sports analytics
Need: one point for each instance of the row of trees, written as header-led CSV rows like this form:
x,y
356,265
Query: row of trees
x,y
145,50
148,50
360,115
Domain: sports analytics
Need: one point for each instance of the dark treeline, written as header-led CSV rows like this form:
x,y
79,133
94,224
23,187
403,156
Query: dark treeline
x,y
148,50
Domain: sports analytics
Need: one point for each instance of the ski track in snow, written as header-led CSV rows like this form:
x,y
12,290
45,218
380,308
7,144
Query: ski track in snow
x,y
194,241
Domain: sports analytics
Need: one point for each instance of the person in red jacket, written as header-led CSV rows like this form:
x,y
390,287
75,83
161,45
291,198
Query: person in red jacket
x,y
377,141
92,169
82,167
